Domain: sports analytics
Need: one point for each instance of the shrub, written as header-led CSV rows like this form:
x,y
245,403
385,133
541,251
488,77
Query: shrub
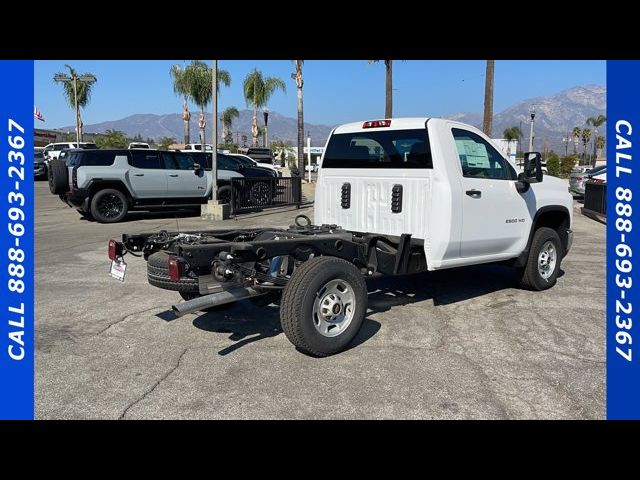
x,y
553,165
567,164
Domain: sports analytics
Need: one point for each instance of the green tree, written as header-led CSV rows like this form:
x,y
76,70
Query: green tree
x,y
199,80
282,149
227,122
257,92
388,105
165,142
566,165
82,91
600,142
182,89
512,134
553,164
596,122
112,139
298,78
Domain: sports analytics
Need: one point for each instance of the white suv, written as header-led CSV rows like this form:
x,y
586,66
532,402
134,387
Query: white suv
x,y
53,150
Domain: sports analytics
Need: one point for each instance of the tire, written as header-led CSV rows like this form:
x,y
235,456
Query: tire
x,y
305,296
158,276
260,194
533,276
58,176
109,206
224,194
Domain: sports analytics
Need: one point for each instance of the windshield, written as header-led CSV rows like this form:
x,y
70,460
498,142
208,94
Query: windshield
x,y
244,160
379,149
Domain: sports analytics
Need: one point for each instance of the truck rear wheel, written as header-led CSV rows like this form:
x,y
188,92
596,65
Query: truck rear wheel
x,y
58,176
323,305
109,206
543,264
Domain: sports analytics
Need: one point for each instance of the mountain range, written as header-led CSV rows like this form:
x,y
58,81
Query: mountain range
x,y
555,116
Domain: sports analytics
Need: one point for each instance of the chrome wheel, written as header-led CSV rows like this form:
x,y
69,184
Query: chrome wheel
x,y
547,259
333,308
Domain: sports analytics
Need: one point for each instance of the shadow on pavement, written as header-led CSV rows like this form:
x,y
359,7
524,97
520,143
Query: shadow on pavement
x,y
247,323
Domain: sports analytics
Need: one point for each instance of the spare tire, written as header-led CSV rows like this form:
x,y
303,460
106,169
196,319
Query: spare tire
x,y
58,176
158,275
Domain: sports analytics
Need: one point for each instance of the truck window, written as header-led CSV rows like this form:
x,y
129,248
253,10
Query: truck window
x,y
479,159
97,158
177,161
143,159
379,149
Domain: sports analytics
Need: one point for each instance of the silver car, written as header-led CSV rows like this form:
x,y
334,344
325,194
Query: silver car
x,y
578,179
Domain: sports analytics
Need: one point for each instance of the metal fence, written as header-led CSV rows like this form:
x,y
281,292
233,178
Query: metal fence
x,y
257,193
595,197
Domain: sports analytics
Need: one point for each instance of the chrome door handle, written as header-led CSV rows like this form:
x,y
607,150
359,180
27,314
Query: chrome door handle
x,y
474,193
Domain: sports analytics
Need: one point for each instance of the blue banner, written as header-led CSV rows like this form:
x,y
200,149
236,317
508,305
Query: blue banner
x,y
623,245
16,241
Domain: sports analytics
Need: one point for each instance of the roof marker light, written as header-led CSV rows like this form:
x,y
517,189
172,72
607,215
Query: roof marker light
x,y
376,124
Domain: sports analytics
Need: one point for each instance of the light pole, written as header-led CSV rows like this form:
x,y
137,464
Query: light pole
x,y
532,112
566,141
309,153
265,112
74,79
214,135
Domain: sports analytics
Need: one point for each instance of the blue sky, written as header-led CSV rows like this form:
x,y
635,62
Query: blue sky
x,y
335,91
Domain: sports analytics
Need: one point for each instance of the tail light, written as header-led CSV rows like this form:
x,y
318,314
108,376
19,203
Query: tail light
x,y
115,249
174,268
376,124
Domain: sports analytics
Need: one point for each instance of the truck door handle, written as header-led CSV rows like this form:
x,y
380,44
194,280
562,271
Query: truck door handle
x,y
474,193
138,174
173,175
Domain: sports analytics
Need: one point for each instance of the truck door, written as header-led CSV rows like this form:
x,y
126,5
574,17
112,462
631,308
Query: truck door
x,y
147,175
494,215
182,179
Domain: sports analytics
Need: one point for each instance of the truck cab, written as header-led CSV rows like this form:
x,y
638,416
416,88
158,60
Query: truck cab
x,y
442,181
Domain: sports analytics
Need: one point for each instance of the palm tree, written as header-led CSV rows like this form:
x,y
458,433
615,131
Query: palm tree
x,y
487,124
200,88
181,88
512,134
388,106
281,148
82,93
600,142
576,133
297,76
586,136
257,92
227,122
165,142
596,122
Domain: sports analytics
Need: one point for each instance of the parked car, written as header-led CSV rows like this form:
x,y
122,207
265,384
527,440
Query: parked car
x,y
245,160
197,147
260,155
39,165
138,145
577,179
52,150
106,184
393,197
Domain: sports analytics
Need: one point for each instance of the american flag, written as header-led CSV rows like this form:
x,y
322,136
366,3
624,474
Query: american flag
x,y
37,114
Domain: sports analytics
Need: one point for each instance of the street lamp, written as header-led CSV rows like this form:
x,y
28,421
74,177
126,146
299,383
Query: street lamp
x,y
532,112
565,141
265,112
74,79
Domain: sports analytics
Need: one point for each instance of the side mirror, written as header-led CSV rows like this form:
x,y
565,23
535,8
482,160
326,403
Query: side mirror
x,y
532,167
197,167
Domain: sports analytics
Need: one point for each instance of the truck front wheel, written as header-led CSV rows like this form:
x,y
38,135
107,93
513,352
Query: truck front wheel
x,y
543,264
323,305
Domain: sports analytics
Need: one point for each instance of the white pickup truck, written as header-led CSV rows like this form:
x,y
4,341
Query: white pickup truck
x,y
395,196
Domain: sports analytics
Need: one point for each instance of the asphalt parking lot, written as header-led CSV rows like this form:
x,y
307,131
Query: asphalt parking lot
x,y
456,344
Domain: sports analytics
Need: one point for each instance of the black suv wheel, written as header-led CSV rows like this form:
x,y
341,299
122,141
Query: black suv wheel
x,y
109,206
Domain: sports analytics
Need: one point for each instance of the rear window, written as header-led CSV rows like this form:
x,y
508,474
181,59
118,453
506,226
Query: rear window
x,y
98,158
379,149
144,159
